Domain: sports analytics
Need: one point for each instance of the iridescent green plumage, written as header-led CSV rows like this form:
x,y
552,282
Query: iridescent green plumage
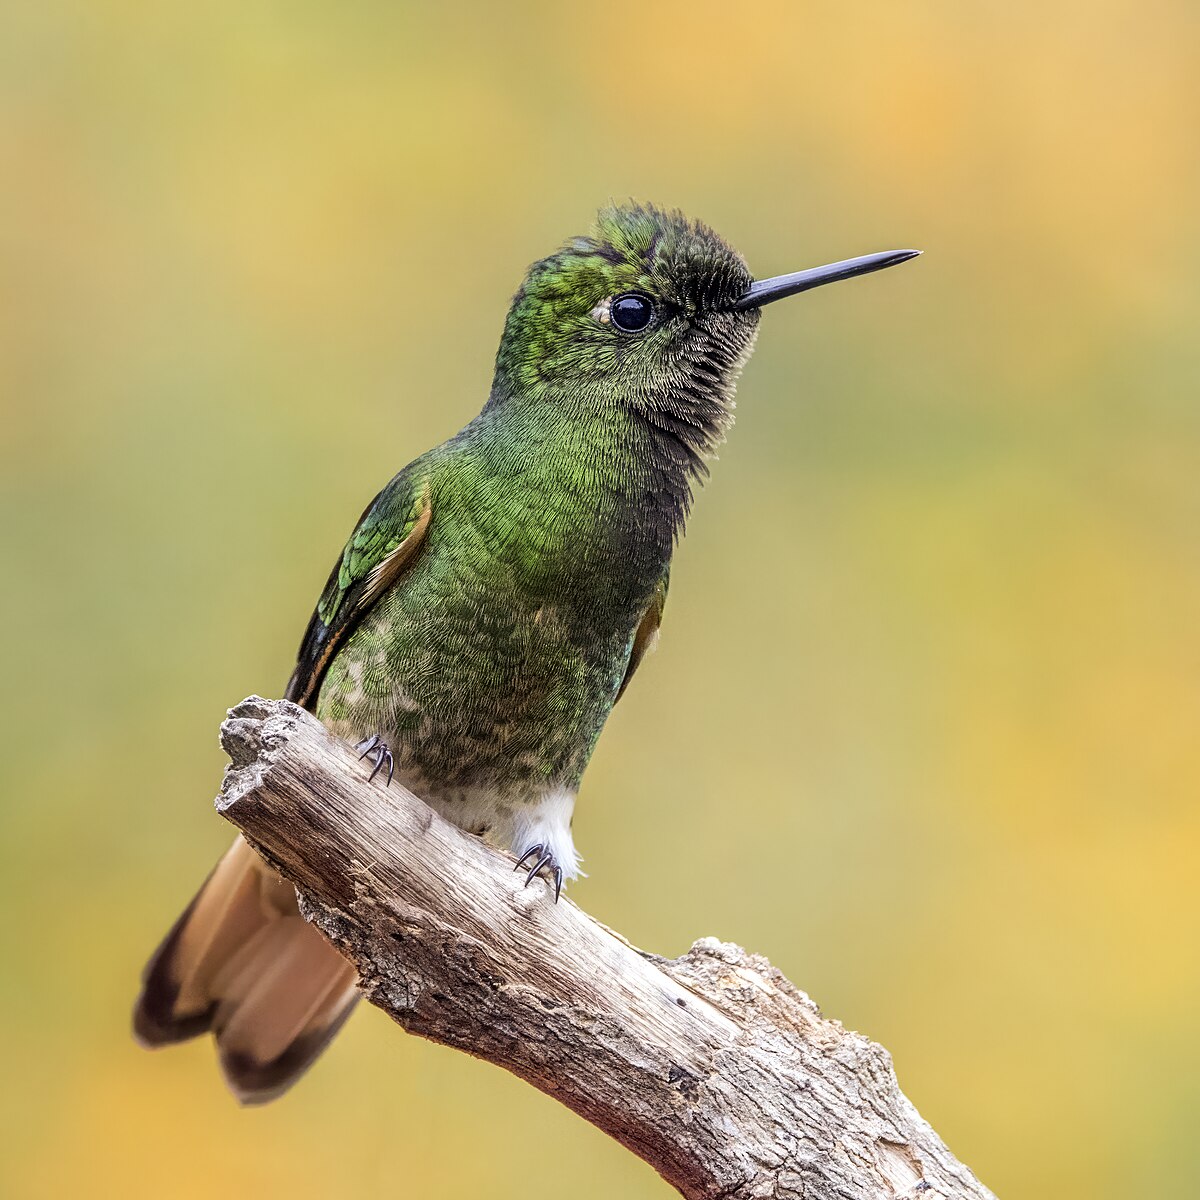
x,y
490,665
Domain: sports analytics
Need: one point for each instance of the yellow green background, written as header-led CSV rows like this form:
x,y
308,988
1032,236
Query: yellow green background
x,y
924,725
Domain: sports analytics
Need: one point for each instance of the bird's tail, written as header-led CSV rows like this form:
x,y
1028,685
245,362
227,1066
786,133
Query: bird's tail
x,y
242,962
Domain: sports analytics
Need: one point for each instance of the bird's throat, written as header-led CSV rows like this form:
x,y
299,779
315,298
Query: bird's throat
x,y
596,499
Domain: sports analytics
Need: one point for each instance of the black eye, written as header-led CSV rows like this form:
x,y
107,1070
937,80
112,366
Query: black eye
x,y
632,311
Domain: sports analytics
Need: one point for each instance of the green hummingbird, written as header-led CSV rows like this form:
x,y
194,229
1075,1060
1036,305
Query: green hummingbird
x,y
492,605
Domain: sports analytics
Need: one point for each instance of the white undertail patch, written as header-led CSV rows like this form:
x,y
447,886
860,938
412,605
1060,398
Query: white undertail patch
x,y
547,822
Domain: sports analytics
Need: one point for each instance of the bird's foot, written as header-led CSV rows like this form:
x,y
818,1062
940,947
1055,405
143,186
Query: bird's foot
x,y
545,861
380,752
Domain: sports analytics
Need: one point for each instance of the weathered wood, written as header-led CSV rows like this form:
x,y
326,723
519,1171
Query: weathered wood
x,y
711,1067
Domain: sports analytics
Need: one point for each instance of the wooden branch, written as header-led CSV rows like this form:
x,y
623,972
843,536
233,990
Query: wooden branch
x,y
711,1067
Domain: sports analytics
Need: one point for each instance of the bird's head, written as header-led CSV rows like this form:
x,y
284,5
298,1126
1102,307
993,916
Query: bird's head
x,y
652,313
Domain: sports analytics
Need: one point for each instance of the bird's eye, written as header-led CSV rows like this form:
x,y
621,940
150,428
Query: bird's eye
x,y
631,311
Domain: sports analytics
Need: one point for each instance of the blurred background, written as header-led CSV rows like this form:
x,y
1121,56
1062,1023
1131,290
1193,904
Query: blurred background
x,y
922,727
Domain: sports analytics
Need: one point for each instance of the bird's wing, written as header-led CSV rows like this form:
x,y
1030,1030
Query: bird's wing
x,y
647,630
384,543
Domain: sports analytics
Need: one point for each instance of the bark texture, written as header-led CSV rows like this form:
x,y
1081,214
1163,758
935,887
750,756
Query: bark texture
x,y
712,1067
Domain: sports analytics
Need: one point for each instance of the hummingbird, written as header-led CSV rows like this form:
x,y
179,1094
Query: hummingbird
x,y
492,605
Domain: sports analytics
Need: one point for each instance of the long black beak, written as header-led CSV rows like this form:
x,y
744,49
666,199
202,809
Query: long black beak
x,y
766,291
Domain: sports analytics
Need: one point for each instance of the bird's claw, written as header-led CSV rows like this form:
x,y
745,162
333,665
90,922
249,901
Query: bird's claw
x,y
545,861
382,754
